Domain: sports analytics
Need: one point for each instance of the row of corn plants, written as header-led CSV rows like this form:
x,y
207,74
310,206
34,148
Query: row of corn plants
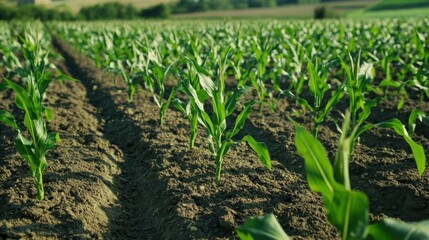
x,y
28,73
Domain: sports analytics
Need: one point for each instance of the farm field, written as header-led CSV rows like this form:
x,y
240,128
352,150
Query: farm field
x,y
288,11
150,108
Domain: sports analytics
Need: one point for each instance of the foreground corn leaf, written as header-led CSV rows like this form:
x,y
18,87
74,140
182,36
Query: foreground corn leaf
x,y
262,228
396,230
319,172
348,212
346,209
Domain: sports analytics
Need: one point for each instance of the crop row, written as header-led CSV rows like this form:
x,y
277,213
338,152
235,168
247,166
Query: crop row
x,y
350,67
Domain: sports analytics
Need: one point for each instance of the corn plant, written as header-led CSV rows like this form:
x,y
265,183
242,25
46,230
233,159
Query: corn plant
x,y
261,48
347,209
36,141
154,74
318,86
223,104
358,85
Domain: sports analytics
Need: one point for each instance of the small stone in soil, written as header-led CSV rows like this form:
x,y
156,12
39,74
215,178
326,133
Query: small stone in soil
x,y
227,221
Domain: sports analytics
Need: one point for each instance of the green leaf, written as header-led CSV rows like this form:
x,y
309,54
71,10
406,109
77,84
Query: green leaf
x,y
319,172
366,71
203,76
241,119
312,81
179,105
335,98
417,149
219,110
342,158
8,119
348,212
262,228
206,83
417,114
51,140
194,127
232,100
207,122
192,92
397,230
49,114
24,147
261,150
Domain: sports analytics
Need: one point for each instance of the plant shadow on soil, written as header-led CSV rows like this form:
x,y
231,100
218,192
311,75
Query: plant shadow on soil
x,y
124,133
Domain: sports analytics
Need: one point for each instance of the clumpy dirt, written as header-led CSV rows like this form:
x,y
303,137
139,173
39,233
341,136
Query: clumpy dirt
x,y
118,175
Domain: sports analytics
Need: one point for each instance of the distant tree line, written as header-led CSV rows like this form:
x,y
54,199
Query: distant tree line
x,y
30,12
117,10
107,11
184,6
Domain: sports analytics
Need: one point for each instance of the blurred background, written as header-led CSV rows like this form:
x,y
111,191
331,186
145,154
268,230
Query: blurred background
x,y
46,10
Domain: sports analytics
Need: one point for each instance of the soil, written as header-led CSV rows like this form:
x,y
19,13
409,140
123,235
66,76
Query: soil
x,y
117,174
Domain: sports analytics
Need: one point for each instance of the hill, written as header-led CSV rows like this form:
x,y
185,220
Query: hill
x,y
287,11
394,8
75,5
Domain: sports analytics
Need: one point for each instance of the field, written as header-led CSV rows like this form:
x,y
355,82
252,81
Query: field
x,y
288,11
185,130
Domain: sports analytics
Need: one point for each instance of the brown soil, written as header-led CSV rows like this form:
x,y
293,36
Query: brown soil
x,y
118,175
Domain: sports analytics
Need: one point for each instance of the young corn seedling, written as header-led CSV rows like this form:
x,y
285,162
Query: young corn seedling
x,y
34,144
347,209
359,78
318,86
223,104
154,74
262,51
126,61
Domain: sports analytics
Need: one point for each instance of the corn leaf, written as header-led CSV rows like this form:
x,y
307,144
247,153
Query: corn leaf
x,y
241,119
262,228
24,147
261,150
8,119
232,100
319,172
49,114
417,114
417,149
397,230
348,212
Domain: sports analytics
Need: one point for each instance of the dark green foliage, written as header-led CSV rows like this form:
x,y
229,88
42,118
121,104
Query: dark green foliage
x,y
111,10
32,12
7,12
158,11
184,6
324,12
